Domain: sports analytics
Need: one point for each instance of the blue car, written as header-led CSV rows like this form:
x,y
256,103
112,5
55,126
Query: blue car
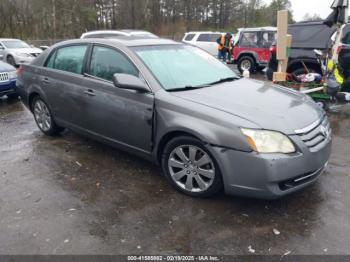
x,y
8,77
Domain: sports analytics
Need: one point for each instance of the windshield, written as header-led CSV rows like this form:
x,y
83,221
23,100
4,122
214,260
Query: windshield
x,y
15,44
181,66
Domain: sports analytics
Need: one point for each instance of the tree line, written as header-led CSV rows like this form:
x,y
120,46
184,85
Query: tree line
x,y
62,19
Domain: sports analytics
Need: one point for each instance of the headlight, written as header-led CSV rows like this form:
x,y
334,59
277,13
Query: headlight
x,y
23,55
264,141
12,74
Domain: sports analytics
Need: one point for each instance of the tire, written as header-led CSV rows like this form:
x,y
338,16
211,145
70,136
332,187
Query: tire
x,y
43,117
246,62
12,96
196,175
10,60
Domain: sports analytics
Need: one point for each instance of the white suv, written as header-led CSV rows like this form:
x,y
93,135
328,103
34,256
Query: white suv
x,y
204,40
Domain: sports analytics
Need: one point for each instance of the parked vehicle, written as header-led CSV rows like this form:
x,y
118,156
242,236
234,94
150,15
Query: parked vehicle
x,y
16,52
117,33
203,40
208,129
343,51
8,78
251,47
306,38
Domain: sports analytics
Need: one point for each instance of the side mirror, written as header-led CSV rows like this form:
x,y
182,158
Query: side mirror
x,y
131,82
318,52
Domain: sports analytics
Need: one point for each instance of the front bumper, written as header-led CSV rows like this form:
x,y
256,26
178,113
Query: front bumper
x,y
23,60
270,176
8,88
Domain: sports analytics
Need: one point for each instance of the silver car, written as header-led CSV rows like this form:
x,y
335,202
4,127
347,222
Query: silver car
x,y
208,129
16,52
117,33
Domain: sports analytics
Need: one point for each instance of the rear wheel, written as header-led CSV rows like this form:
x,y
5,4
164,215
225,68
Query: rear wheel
x,y
246,63
190,168
43,117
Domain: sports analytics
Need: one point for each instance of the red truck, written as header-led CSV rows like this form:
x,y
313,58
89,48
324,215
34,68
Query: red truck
x,y
251,47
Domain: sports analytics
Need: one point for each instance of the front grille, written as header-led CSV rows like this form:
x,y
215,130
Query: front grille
x,y
316,135
4,77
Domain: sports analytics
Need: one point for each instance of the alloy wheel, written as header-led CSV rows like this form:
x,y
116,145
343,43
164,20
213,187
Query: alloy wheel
x,y
246,65
42,115
191,168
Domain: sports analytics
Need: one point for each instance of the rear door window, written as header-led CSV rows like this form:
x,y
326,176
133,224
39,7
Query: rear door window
x,y
69,59
105,62
208,37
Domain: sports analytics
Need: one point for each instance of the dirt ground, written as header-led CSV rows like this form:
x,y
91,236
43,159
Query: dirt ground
x,y
71,195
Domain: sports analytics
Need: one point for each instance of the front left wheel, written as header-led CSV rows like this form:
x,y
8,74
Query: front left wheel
x,y
10,60
191,168
43,117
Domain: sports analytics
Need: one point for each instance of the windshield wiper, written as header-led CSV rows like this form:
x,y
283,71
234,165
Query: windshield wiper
x,y
187,88
223,80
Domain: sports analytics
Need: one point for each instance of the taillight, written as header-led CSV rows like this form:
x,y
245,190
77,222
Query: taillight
x,y
19,71
273,49
339,48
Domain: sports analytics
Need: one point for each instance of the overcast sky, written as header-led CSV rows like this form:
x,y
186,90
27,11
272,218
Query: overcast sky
x,y
301,7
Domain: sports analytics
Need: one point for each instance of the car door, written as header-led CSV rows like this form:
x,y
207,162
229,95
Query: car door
x,y
61,80
208,43
2,52
119,115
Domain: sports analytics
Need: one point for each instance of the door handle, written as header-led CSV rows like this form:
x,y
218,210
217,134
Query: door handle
x,y
46,80
89,92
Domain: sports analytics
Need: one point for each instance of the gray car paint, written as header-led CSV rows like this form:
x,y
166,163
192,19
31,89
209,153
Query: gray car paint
x,y
141,122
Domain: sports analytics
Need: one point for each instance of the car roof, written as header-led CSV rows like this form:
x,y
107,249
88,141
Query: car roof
x,y
128,41
125,32
204,32
9,39
258,29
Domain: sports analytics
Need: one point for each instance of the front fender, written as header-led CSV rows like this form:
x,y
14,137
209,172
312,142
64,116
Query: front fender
x,y
210,131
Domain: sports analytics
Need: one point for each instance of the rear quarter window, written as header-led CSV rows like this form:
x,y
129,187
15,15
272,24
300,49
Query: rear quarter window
x,y
189,37
69,59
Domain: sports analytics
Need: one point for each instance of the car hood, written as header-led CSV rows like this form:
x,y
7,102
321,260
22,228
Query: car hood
x,y
266,105
33,50
4,67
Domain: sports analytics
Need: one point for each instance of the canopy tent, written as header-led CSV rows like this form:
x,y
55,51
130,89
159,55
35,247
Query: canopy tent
x,y
339,14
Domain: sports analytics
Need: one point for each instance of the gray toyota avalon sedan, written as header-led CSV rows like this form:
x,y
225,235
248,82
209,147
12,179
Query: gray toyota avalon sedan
x,y
176,105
